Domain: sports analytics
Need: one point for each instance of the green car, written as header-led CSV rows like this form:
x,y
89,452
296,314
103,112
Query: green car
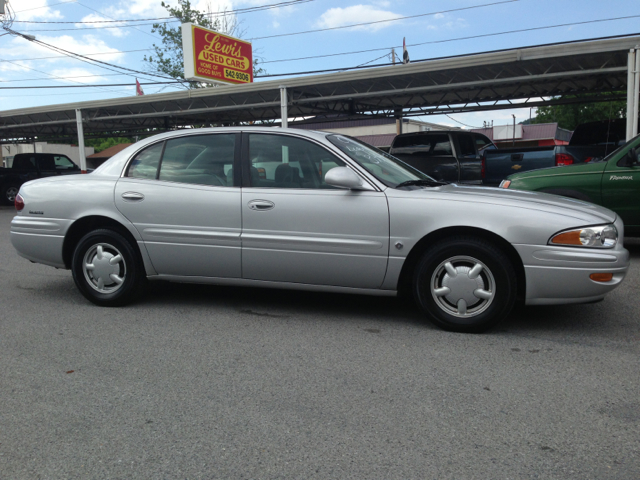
x,y
613,182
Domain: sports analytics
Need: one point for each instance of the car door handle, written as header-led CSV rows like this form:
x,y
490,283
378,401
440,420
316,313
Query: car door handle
x,y
261,205
133,196
517,157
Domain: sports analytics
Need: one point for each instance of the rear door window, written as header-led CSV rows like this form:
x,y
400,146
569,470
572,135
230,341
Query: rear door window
x,y
145,163
440,146
199,159
467,148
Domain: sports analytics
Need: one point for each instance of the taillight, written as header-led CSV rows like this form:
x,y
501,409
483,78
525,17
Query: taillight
x,y
19,202
563,159
482,167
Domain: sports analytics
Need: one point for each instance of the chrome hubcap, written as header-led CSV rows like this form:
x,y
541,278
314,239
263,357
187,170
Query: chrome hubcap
x,y
11,193
463,286
104,268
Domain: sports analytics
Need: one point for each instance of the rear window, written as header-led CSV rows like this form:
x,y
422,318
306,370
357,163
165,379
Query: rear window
x,y
429,145
600,133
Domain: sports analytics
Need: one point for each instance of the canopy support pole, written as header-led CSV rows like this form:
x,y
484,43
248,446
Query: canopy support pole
x,y
284,103
636,93
83,158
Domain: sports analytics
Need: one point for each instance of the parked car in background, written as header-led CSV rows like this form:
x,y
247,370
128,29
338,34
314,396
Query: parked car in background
x,y
297,209
613,182
589,142
447,156
29,166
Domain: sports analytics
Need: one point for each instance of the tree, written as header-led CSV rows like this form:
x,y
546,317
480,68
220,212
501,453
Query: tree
x,y
168,59
100,144
569,116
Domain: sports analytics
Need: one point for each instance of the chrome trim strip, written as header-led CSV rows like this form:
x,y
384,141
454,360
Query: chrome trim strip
x,y
242,282
35,224
200,234
325,242
566,256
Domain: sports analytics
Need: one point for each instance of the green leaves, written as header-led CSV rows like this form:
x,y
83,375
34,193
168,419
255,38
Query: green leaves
x,y
569,116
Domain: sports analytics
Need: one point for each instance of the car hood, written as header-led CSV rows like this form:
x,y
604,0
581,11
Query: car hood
x,y
500,197
595,167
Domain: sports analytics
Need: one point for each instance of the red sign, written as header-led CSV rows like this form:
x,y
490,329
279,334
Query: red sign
x,y
218,57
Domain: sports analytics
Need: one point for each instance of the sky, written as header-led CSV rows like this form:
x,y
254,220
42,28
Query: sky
x,y
432,29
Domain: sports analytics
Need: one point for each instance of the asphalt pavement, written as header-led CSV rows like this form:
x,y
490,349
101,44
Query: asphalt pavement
x,y
241,383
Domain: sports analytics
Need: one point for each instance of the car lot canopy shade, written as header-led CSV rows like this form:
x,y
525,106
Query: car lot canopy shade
x,y
513,78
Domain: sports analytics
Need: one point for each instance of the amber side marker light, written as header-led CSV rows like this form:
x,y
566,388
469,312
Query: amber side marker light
x,y
601,277
568,238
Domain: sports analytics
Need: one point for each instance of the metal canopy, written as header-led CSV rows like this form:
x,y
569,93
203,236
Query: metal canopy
x,y
495,80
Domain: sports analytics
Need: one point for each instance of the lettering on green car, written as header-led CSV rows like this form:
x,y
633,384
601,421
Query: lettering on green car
x,y
616,177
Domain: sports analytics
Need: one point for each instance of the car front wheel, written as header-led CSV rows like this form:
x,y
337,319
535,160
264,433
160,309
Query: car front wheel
x,y
107,269
465,284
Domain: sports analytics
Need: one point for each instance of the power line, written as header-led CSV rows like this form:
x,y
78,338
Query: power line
x,y
133,26
45,6
282,60
91,61
67,78
219,14
458,121
86,54
53,76
87,85
386,20
94,28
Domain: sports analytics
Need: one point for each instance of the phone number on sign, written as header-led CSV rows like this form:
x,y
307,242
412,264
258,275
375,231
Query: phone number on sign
x,y
233,75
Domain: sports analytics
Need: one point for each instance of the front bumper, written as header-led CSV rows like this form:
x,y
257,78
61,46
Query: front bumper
x,y
559,275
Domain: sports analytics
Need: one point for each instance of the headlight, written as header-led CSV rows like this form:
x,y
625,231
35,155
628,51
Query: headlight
x,y
505,183
604,236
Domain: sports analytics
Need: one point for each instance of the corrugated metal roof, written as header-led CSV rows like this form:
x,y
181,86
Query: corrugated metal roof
x,y
368,122
485,81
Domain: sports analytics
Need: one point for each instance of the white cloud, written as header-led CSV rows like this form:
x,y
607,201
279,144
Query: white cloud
x,y
139,8
77,75
339,17
93,17
21,48
34,9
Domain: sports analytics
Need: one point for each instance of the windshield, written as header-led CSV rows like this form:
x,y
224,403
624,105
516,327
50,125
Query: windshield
x,y
389,170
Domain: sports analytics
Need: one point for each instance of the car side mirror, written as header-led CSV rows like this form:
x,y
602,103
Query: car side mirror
x,y
630,159
344,177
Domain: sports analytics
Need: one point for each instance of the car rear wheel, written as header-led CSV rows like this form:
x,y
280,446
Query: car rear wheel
x,y
9,193
465,284
107,269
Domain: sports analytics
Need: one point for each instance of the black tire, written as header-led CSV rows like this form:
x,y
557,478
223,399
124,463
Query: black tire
x,y
9,192
108,283
439,270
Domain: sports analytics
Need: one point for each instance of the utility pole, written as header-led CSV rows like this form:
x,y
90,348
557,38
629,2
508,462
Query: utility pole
x,y
514,130
398,115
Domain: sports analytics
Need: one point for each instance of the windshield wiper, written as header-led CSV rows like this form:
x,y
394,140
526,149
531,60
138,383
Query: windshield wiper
x,y
420,183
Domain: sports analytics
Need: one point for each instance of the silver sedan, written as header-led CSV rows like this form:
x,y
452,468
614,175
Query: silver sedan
x,y
293,209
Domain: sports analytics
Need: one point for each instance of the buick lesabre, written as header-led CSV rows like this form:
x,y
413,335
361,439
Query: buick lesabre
x,y
309,210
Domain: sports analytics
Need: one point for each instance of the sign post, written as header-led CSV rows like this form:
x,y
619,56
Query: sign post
x,y
210,56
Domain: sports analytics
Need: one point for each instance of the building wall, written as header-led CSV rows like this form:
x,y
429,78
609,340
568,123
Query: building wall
x,y
407,127
71,151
